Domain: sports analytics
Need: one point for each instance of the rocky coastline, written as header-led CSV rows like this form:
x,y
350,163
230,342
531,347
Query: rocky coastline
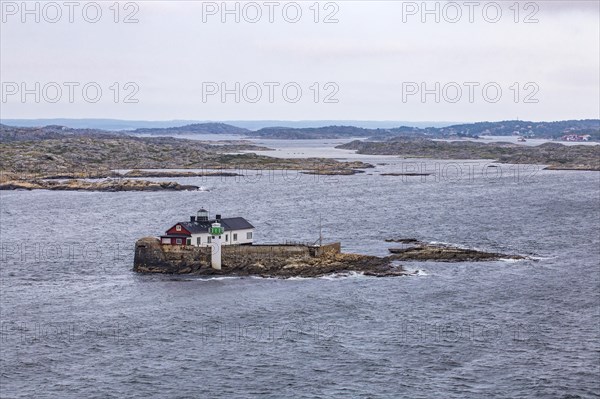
x,y
108,185
553,155
33,159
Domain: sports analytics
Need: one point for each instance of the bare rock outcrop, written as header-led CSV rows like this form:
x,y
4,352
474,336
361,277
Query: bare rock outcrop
x,y
415,250
96,185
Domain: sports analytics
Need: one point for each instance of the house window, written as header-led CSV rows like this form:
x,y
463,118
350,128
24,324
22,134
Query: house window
x,y
249,235
178,228
178,241
198,241
188,241
209,240
226,237
234,236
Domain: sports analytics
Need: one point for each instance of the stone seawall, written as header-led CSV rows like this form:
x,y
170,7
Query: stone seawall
x,y
284,250
262,260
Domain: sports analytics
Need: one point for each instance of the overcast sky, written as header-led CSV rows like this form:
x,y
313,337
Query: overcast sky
x,y
372,64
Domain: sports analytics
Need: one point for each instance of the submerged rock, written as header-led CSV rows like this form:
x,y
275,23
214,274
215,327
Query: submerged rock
x,y
403,240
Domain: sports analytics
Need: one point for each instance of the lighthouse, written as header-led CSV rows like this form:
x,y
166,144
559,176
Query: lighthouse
x,y
216,231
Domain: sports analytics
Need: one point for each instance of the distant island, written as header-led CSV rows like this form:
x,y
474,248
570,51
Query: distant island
x,y
588,129
194,128
541,130
288,133
255,124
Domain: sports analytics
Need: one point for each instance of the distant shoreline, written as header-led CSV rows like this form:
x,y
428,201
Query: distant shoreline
x,y
33,155
587,129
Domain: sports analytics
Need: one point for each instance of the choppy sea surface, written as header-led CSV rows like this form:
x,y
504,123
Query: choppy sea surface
x,y
76,322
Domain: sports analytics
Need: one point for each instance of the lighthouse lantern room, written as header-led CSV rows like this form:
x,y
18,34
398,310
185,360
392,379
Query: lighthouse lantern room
x,y
202,215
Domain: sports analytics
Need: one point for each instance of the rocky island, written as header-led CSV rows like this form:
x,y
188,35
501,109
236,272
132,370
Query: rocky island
x,y
284,261
556,156
278,260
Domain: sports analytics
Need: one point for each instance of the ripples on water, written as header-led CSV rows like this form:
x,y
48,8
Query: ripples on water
x,y
77,322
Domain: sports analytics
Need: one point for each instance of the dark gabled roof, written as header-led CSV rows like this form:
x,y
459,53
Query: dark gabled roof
x,y
228,224
238,223
196,227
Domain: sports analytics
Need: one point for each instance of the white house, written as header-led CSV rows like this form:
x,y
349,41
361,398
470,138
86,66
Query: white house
x,y
237,231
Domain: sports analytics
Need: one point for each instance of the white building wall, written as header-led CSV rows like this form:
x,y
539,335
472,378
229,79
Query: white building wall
x,y
226,238
242,236
203,239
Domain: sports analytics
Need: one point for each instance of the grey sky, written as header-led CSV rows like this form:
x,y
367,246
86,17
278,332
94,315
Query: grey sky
x,y
372,54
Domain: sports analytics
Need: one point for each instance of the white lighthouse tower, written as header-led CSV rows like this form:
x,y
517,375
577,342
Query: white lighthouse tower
x,y
216,231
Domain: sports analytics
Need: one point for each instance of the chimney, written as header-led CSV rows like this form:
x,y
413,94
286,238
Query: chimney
x,y
218,217
192,218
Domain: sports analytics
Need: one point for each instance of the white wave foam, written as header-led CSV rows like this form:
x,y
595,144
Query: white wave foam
x,y
533,258
298,278
336,276
333,276
208,279
416,272
509,260
536,258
